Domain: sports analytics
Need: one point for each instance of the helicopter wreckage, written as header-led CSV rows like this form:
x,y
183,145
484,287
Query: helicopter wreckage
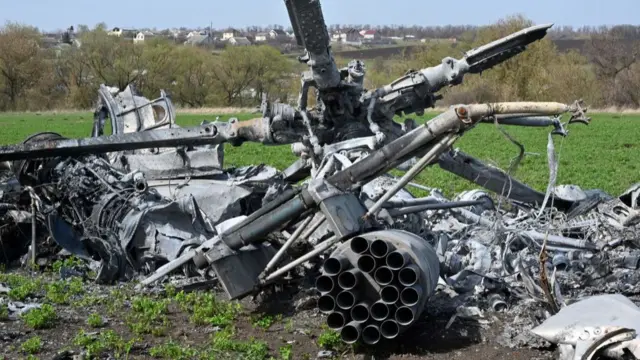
x,y
152,200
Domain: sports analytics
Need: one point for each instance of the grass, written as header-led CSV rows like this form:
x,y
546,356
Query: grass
x,y
32,345
602,155
44,317
142,325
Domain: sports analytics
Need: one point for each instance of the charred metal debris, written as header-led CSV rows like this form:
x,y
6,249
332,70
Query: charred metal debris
x,y
142,198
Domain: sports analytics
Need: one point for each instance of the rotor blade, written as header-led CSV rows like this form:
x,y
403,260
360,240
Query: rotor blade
x,y
495,52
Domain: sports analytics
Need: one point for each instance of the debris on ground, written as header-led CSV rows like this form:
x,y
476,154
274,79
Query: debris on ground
x,y
154,203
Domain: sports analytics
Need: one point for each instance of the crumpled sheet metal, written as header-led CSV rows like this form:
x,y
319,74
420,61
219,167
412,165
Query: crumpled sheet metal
x,y
160,233
230,194
174,164
217,200
603,324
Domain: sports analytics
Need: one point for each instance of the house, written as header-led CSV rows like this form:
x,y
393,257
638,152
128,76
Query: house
x,y
142,35
123,33
230,33
370,35
239,41
200,40
351,36
262,37
195,33
278,34
116,31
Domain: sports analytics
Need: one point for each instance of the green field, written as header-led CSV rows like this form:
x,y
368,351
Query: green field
x,y
602,155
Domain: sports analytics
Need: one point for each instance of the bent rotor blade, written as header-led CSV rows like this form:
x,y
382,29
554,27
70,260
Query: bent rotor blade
x,y
496,52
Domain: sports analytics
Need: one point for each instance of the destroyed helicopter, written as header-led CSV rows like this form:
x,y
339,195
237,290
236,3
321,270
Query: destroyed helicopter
x,y
153,193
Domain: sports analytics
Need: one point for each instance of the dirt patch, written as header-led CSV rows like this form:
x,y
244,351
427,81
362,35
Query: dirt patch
x,y
178,325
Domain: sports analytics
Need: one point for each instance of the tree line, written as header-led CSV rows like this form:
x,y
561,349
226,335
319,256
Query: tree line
x,y
33,77
606,73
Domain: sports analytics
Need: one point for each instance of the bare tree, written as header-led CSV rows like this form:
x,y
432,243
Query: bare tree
x,y
20,61
615,54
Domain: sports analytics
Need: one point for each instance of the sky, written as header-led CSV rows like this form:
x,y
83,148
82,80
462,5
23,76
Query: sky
x,y
59,14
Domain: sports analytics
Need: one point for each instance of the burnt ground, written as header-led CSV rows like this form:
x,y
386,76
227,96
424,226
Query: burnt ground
x,y
119,322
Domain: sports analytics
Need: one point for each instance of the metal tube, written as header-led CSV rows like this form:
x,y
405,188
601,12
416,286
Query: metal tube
x,y
325,284
371,335
346,299
313,227
522,120
366,263
256,230
378,161
360,312
359,245
389,294
410,296
410,202
389,329
560,262
429,157
351,332
409,275
405,315
440,206
560,240
326,303
379,248
34,221
313,253
349,279
383,275
336,320
379,311
296,234
497,303
271,205
160,138
396,260
335,265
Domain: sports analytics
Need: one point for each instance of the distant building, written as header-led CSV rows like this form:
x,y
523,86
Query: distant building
x,y
200,40
278,34
195,33
262,37
142,35
123,33
116,31
369,35
351,36
239,41
230,33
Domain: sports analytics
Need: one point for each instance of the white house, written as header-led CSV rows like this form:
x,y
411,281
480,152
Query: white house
x,y
116,31
262,37
142,35
230,33
195,33
277,34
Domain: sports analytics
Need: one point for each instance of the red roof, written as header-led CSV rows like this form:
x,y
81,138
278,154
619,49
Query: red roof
x,y
369,32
